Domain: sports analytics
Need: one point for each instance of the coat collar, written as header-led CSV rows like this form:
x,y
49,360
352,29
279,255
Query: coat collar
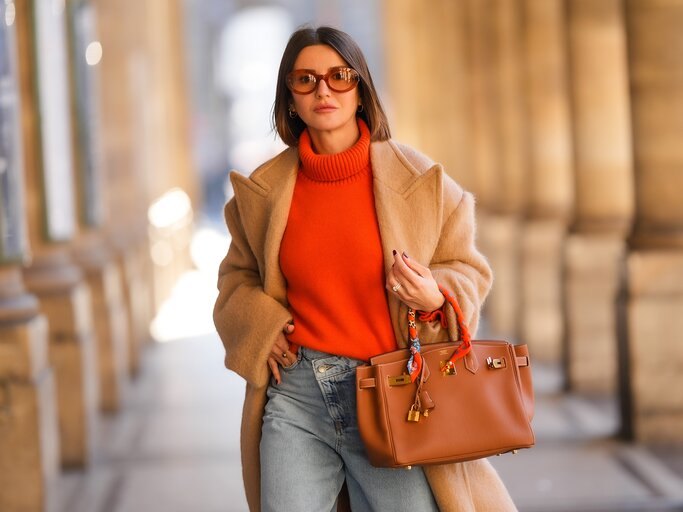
x,y
390,167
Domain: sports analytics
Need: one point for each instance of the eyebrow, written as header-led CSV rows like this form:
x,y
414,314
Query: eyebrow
x,y
314,72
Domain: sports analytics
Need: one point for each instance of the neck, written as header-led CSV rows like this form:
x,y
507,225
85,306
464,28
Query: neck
x,y
330,142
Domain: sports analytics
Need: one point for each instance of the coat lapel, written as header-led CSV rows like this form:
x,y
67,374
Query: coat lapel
x,y
407,202
264,200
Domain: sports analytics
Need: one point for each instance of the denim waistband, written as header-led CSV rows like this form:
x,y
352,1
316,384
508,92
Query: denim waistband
x,y
312,354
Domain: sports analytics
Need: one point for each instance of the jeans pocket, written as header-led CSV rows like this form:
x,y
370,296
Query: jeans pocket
x,y
294,364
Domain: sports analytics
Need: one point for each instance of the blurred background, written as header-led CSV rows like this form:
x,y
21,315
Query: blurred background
x,y
119,123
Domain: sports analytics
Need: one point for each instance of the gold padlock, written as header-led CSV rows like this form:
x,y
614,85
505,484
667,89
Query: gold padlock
x,y
413,414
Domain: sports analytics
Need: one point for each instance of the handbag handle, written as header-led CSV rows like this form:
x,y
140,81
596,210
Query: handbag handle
x,y
415,361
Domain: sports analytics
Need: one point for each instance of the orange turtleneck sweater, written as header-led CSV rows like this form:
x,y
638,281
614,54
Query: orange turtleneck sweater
x,y
331,255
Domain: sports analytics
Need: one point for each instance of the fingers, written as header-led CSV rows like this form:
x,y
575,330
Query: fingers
x,y
280,353
407,269
415,266
413,284
402,278
272,364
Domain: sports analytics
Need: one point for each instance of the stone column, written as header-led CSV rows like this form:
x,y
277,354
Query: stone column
x,y
501,150
481,77
447,118
91,250
125,144
147,148
110,325
168,133
54,279
402,102
550,186
29,437
428,102
456,95
604,190
165,47
655,252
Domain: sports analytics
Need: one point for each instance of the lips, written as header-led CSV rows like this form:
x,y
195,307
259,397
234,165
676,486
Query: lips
x,y
321,109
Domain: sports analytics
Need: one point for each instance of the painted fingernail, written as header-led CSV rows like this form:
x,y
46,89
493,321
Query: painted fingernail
x,y
394,251
404,254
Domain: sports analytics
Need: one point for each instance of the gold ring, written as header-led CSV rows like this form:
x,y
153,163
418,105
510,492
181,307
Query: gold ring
x,y
284,354
397,287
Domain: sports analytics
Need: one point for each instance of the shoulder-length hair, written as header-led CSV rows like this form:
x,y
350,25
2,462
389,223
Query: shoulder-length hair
x,y
372,113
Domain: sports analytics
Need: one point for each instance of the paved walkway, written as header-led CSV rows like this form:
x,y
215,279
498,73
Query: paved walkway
x,y
174,448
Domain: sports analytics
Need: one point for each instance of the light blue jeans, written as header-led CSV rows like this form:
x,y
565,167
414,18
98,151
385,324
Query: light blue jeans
x,y
310,444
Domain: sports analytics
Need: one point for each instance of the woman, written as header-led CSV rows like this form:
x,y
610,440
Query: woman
x,y
332,240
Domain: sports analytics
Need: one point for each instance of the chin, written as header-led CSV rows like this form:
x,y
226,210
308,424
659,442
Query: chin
x,y
328,124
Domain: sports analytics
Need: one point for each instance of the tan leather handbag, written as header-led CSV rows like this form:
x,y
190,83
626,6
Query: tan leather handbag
x,y
445,402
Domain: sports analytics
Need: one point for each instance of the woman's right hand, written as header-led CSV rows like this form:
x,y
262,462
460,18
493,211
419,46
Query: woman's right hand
x,y
280,353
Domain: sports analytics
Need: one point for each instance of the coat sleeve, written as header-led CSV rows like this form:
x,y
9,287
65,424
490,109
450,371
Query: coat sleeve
x,y
456,263
248,320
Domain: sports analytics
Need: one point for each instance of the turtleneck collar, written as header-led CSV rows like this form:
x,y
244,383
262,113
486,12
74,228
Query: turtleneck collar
x,y
338,166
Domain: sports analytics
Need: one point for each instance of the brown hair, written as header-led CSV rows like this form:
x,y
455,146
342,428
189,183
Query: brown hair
x,y
373,114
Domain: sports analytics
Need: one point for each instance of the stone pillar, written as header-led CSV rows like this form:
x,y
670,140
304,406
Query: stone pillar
x,y
655,252
604,191
450,111
65,299
29,438
147,147
501,152
550,186
481,76
164,70
54,279
127,166
165,45
110,326
436,122
402,102
91,251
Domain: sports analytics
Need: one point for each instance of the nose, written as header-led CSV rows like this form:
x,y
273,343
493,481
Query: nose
x,y
322,89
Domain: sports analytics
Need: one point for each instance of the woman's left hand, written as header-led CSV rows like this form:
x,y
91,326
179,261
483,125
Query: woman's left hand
x,y
414,284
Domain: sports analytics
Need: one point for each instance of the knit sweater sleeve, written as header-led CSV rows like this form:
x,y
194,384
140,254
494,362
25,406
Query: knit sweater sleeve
x,y
248,320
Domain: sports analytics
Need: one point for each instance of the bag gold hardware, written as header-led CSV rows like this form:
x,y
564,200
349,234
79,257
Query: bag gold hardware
x,y
399,380
449,368
496,363
413,414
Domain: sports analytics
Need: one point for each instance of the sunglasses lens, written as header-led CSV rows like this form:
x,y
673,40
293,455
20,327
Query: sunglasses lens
x,y
302,82
343,79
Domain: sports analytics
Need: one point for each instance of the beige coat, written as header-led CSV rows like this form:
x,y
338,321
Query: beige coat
x,y
420,211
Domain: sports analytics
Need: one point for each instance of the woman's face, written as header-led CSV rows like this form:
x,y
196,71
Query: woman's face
x,y
325,110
